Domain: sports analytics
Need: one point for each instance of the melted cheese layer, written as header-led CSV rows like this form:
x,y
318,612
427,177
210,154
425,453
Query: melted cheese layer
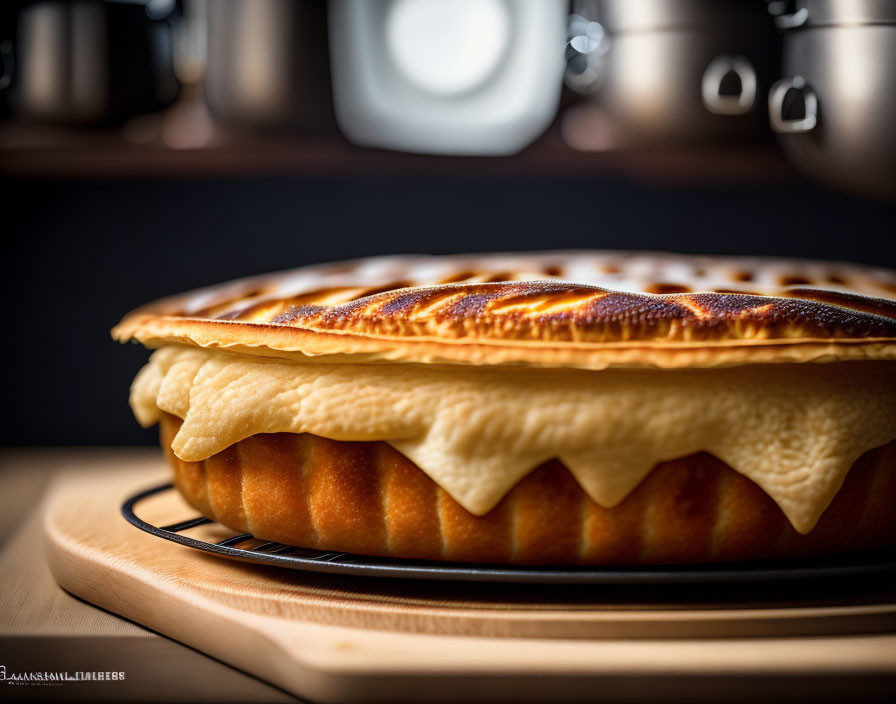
x,y
793,429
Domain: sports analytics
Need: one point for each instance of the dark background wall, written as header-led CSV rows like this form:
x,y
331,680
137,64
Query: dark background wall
x,y
77,255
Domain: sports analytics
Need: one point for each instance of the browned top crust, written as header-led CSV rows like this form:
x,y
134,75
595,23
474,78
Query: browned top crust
x,y
559,312
584,309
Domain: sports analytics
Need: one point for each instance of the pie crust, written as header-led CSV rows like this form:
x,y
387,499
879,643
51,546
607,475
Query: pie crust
x,y
367,498
560,310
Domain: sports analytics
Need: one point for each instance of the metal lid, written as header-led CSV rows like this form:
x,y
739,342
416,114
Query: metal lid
x,y
647,15
823,13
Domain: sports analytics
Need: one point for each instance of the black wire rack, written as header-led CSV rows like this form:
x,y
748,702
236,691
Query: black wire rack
x,y
876,564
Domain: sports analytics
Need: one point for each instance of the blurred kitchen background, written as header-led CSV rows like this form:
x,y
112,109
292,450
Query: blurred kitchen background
x,y
151,146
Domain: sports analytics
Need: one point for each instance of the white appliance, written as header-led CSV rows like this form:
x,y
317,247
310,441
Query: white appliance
x,y
447,76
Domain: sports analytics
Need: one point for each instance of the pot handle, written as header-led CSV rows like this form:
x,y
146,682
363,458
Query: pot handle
x,y
776,106
792,20
711,85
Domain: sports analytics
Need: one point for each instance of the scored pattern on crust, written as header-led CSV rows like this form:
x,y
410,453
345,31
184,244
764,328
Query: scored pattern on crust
x,y
559,312
545,298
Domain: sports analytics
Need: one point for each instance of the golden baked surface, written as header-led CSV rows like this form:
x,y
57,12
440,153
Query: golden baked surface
x,y
793,429
582,309
367,498
559,312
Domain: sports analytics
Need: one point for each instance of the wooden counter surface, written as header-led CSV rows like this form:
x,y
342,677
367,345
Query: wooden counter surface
x,y
43,628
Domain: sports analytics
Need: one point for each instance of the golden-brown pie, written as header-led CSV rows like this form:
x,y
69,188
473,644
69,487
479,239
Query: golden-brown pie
x,y
557,407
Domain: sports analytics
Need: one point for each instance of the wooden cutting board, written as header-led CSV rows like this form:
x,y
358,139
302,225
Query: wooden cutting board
x,y
341,639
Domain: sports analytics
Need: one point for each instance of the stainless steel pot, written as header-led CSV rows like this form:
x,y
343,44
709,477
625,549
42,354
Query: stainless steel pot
x,y
835,110
92,61
690,70
268,63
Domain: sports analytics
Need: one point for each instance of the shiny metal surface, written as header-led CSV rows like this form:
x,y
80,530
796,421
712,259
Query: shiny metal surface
x,y
90,62
735,103
816,13
268,63
667,85
848,72
646,15
777,96
664,72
